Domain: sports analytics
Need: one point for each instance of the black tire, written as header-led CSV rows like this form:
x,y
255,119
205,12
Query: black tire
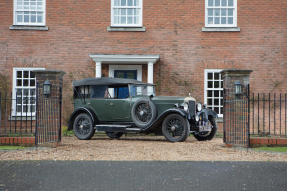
x,y
210,135
114,135
175,128
83,127
143,112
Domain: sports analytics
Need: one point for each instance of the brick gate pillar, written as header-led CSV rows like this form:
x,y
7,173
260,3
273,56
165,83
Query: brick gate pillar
x,y
49,107
236,106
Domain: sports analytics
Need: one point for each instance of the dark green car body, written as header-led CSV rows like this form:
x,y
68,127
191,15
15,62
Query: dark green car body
x,y
118,106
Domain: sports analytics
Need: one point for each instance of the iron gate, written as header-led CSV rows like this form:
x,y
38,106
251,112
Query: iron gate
x,y
48,115
236,117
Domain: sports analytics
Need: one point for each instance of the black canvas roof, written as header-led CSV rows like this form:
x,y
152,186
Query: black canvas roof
x,y
106,81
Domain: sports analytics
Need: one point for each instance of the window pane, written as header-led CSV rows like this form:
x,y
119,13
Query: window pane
x,y
210,12
230,3
26,18
116,12
216,84
32,82
123,20
25,83
32,75
230,12
216,101
210,76
116,19
223,2
210,2
123,12
216,93
130,12
230,20
136,20
209,93
216,20
32,92
216,109
19,82
32,108
137,3
123,2
26,74
221,84
33,18
18,92
216,76
116,2
217,12
19,74
26,92
19,108
217,3
130,20
130,2
223,12
210,84
209,101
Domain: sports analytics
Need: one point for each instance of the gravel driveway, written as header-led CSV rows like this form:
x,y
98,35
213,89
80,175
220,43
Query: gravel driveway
x,y
141,148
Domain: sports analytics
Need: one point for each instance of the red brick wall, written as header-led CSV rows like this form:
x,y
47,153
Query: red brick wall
x,y
173,30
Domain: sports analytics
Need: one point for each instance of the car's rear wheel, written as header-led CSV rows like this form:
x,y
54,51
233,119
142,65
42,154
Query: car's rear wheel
x,y
175,128
83,127
114,135
143,112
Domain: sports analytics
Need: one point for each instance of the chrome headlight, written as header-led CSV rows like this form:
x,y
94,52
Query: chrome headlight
x,y
198,106
185,106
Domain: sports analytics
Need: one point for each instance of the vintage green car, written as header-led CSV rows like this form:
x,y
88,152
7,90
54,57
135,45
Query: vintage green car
x,y
117,106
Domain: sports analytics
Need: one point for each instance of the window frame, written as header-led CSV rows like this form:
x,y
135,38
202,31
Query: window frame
x,y
13,112
221,25
206,71
28,24
127,25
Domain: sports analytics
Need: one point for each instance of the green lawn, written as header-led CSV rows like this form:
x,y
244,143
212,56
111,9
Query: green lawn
x,y
11,147
274,149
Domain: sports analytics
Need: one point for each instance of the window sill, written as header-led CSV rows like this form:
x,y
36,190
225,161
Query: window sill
x,y
220,29
21,27
126,29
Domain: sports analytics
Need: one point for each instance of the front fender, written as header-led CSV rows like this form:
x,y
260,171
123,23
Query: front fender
x,y
207,114
161,117
81,110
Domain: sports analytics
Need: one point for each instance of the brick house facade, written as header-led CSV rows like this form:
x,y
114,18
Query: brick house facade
x,y
178,45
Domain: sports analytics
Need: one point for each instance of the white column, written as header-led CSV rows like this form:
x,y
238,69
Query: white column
x,y
150,77
98,69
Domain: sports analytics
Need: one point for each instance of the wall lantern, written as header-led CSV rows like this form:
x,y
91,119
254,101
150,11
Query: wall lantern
x,y
238,88
47,88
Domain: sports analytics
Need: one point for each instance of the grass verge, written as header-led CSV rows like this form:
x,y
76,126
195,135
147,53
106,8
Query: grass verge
x,y
273,149
11,147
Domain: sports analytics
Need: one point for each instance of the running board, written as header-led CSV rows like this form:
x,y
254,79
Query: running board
x,y
116,128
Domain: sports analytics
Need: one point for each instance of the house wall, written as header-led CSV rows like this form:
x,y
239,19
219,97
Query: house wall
x,y
173,30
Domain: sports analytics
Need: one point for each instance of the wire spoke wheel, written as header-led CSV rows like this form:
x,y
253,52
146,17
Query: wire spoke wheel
x,y
83,126
143,112
175,128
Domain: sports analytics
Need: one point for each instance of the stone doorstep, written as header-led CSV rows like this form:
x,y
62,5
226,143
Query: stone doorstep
x,y
27,141
259,141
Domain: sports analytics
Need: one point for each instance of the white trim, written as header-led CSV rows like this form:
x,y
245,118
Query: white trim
x,y
14,86
98,69
206,71
127,25
221,25
112,69
29,24
124,59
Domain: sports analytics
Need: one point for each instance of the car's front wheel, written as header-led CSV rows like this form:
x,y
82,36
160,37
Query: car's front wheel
x,y
114,135
205,136
175,128
83,127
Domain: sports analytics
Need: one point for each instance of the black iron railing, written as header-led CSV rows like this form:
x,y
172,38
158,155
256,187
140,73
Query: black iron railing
x,y
17,115
268,114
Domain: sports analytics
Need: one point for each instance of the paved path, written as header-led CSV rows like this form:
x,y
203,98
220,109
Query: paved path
x,y
131,176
